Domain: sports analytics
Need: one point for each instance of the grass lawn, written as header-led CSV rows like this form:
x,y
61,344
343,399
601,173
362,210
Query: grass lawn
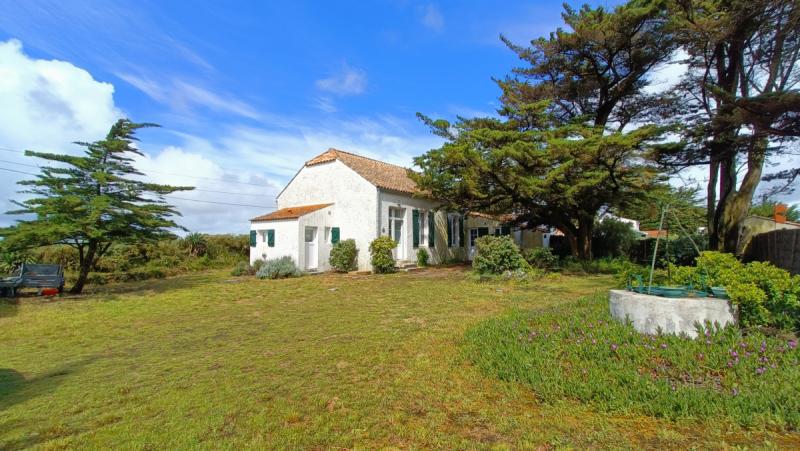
x,y
211,361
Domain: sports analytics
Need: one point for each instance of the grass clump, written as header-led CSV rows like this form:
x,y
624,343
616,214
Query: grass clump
x,y
278,268
578,352
422,258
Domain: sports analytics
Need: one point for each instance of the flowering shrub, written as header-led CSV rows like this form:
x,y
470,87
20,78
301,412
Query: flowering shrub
x,y
496,255
381,250
278,268
766,295
579,352
343,255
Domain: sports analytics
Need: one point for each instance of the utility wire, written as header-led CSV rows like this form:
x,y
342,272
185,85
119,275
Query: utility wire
x,y
157,172
19,172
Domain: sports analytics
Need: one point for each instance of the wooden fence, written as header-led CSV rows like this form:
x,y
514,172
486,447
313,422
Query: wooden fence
x,y
779,247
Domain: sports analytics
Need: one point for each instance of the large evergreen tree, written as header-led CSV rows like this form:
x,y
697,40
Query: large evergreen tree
x,y
92,201
561,151
740,98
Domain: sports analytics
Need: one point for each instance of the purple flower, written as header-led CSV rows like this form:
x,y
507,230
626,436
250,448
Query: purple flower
x,y
735,392
613,347
792,344
730,364
742,345
594,342
763,346
734,353
760,370
708,342
663,346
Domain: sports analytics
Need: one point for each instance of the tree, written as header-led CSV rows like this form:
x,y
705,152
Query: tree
x,y
557,175
766,208
683,203
560,151
741,98
91,202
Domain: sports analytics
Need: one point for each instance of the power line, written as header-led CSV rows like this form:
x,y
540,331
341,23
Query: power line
x,y
19,172
158,172
219,203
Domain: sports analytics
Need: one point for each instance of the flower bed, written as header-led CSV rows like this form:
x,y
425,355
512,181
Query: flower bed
x,y
579,352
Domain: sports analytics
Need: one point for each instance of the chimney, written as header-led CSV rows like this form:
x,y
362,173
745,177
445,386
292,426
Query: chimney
x,y
780,213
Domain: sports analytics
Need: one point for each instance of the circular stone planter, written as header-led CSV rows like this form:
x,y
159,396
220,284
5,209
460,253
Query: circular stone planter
x,y
649,314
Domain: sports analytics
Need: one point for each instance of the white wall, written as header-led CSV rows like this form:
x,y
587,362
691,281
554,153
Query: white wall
x,y
354,211
287,240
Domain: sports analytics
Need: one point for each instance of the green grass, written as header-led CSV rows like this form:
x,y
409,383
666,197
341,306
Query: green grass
x,y
578,352
211,361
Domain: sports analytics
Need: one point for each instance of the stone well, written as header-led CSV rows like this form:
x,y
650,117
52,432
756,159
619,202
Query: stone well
x,y
673,315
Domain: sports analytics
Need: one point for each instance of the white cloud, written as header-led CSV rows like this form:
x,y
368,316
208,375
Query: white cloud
x,y
432,18
349,81
325,104
46,105
181,95
666,76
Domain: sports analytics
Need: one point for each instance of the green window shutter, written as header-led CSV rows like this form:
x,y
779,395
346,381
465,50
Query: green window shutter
x,y
449,231
462,231
431,228
253,238
415,226
271,238
334,235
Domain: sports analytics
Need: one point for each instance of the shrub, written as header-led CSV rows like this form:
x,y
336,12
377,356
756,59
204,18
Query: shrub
x,y
278,268
541,258
766,295
577,352
496,255
343,256
257,265
381,251
196,244
242,269
422,257
612,238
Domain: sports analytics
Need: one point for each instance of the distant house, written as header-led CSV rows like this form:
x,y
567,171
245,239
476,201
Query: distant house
x,y
339,195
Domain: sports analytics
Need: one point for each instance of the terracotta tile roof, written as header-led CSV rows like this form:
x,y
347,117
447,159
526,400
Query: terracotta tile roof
x,y
500,218
383,175
655,233
290,212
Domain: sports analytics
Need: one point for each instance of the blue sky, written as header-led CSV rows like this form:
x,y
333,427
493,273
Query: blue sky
x,y
248,91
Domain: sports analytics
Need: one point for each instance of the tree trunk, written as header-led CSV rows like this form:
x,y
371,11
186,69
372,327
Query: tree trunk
x,y
584,238
85,265
737,205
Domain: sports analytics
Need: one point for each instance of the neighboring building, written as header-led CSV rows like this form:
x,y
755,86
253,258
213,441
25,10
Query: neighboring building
x,y
338,195
632,222
754,225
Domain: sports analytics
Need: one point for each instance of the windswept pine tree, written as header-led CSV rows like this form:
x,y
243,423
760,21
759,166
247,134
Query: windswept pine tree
x,y
92,201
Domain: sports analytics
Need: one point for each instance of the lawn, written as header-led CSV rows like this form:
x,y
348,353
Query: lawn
x,y
211,361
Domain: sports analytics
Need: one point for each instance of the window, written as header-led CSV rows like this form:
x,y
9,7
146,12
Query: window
x,y
454,228
253,238
271,237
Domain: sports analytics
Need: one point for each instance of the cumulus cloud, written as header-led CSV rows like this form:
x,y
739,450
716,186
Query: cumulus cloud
x,y
432,18
347,82
46,105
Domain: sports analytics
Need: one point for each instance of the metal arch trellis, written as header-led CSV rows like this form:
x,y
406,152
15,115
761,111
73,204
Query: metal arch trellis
x,y
664,211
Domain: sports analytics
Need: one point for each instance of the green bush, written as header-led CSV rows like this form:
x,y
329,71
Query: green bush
x,y
257,265
242,269
344,256
422,257
612,238
380,250
278,268
196,244
577,352
496,255
541,258
766,295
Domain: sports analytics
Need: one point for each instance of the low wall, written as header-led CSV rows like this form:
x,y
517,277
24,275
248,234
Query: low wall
x,y
672,315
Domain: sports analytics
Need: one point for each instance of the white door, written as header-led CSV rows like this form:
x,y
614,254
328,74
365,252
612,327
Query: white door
x,y
397,232
474,234
311,248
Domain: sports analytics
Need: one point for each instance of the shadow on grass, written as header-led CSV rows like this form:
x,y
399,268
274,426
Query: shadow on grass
x,y
8,307
16,388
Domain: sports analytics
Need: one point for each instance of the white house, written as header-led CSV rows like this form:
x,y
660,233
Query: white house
x,y
338,195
